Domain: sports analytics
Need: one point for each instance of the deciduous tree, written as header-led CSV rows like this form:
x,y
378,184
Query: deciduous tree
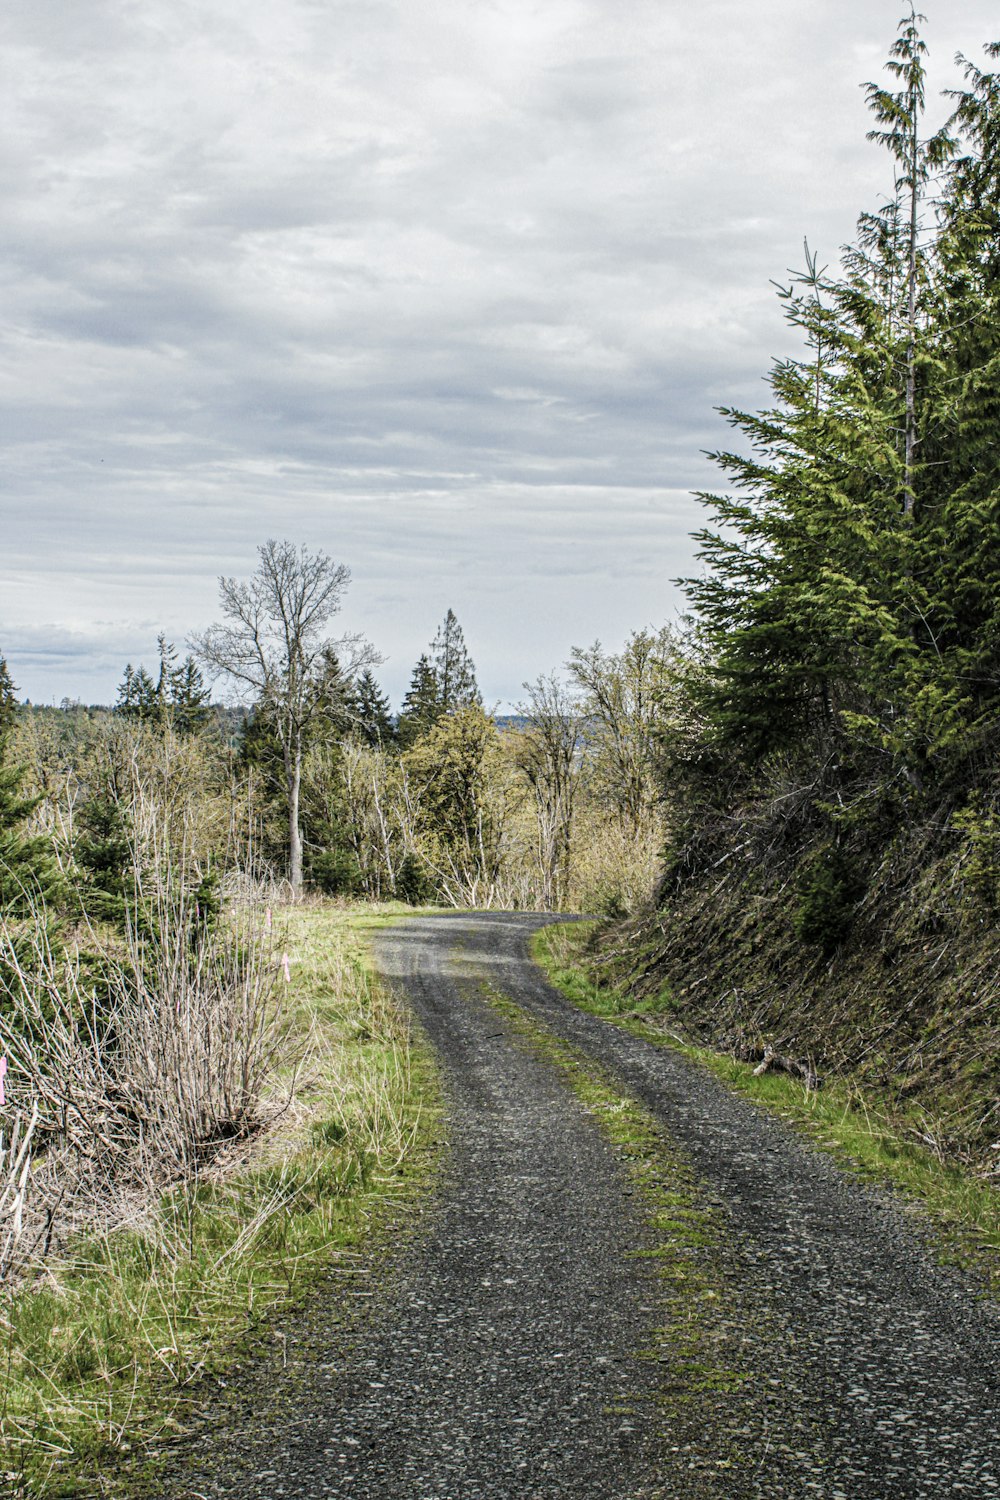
x,y
275,648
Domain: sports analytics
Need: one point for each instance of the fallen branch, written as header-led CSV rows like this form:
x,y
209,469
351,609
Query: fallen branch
x,y
768,1061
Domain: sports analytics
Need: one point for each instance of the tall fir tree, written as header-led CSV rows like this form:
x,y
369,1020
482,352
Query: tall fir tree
x,y
189,698
826,605
137,696
453,668
166,677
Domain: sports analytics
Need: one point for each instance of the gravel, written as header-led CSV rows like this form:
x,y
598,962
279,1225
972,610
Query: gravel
x,y
502,1354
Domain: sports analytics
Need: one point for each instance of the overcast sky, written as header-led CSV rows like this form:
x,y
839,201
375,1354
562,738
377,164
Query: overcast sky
x,y
447,288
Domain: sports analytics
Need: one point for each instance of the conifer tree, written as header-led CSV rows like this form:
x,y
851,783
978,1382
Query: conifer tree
x,y
8,701
166,678
178,697
453,668
370,713
28,871
899,117
137,696
819,607
422,705
189,698
829,623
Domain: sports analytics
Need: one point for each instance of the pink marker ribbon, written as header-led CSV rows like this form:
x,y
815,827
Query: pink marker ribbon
x,y
287,968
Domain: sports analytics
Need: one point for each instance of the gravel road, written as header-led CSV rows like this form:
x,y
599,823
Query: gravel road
x,y
505,1359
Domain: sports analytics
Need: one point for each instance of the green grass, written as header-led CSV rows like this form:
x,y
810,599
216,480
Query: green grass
x,y
838,1117
101,1357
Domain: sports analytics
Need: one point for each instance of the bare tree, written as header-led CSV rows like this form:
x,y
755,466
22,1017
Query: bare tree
x,y
275,648
547,755
626,704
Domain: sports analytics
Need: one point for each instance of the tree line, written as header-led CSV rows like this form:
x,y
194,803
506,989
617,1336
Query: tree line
x,y
316,784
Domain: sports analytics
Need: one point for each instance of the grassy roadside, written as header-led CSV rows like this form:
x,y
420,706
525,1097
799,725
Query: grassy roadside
x,y
838,1117
101,1354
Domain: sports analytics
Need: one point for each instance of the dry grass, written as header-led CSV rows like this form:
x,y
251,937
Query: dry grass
x,y
106,1340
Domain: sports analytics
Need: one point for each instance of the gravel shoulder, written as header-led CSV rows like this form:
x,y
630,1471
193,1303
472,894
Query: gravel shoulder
x,y
507,1354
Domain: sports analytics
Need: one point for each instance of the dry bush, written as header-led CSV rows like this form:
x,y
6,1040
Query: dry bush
x,y
615,866
15,1166
138,1061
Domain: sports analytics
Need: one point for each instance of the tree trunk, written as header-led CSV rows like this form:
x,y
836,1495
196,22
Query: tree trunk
x,y
910,441
294,778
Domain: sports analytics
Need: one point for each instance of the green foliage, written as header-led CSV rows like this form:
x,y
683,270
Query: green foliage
x,y
414,883
462,779
453,668
421,706
850,612
334,871
370,714
28,870
103,851
178,697
979,824
442,683
8,700
829,887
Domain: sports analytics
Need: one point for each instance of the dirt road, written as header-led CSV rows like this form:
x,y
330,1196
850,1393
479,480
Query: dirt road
x,y
525,1346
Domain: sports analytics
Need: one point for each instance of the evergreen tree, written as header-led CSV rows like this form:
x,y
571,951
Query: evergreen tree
x,y
370,713
332,694
453,668
189,698
820,608
138,698
442,683
178,698
103,851
422,705
8,701
166,679
899,117
851,603
28,871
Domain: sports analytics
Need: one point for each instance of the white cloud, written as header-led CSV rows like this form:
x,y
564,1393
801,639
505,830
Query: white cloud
x,y
448,289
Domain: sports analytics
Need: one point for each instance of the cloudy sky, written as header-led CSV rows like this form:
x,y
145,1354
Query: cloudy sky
x,y
447,288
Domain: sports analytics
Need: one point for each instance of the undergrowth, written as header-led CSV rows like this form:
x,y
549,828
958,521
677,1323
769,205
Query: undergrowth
x,y
104,1350
840,1117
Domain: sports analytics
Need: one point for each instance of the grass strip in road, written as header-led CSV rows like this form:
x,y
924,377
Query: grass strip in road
x,y
963,1208
700,1376
104,1355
